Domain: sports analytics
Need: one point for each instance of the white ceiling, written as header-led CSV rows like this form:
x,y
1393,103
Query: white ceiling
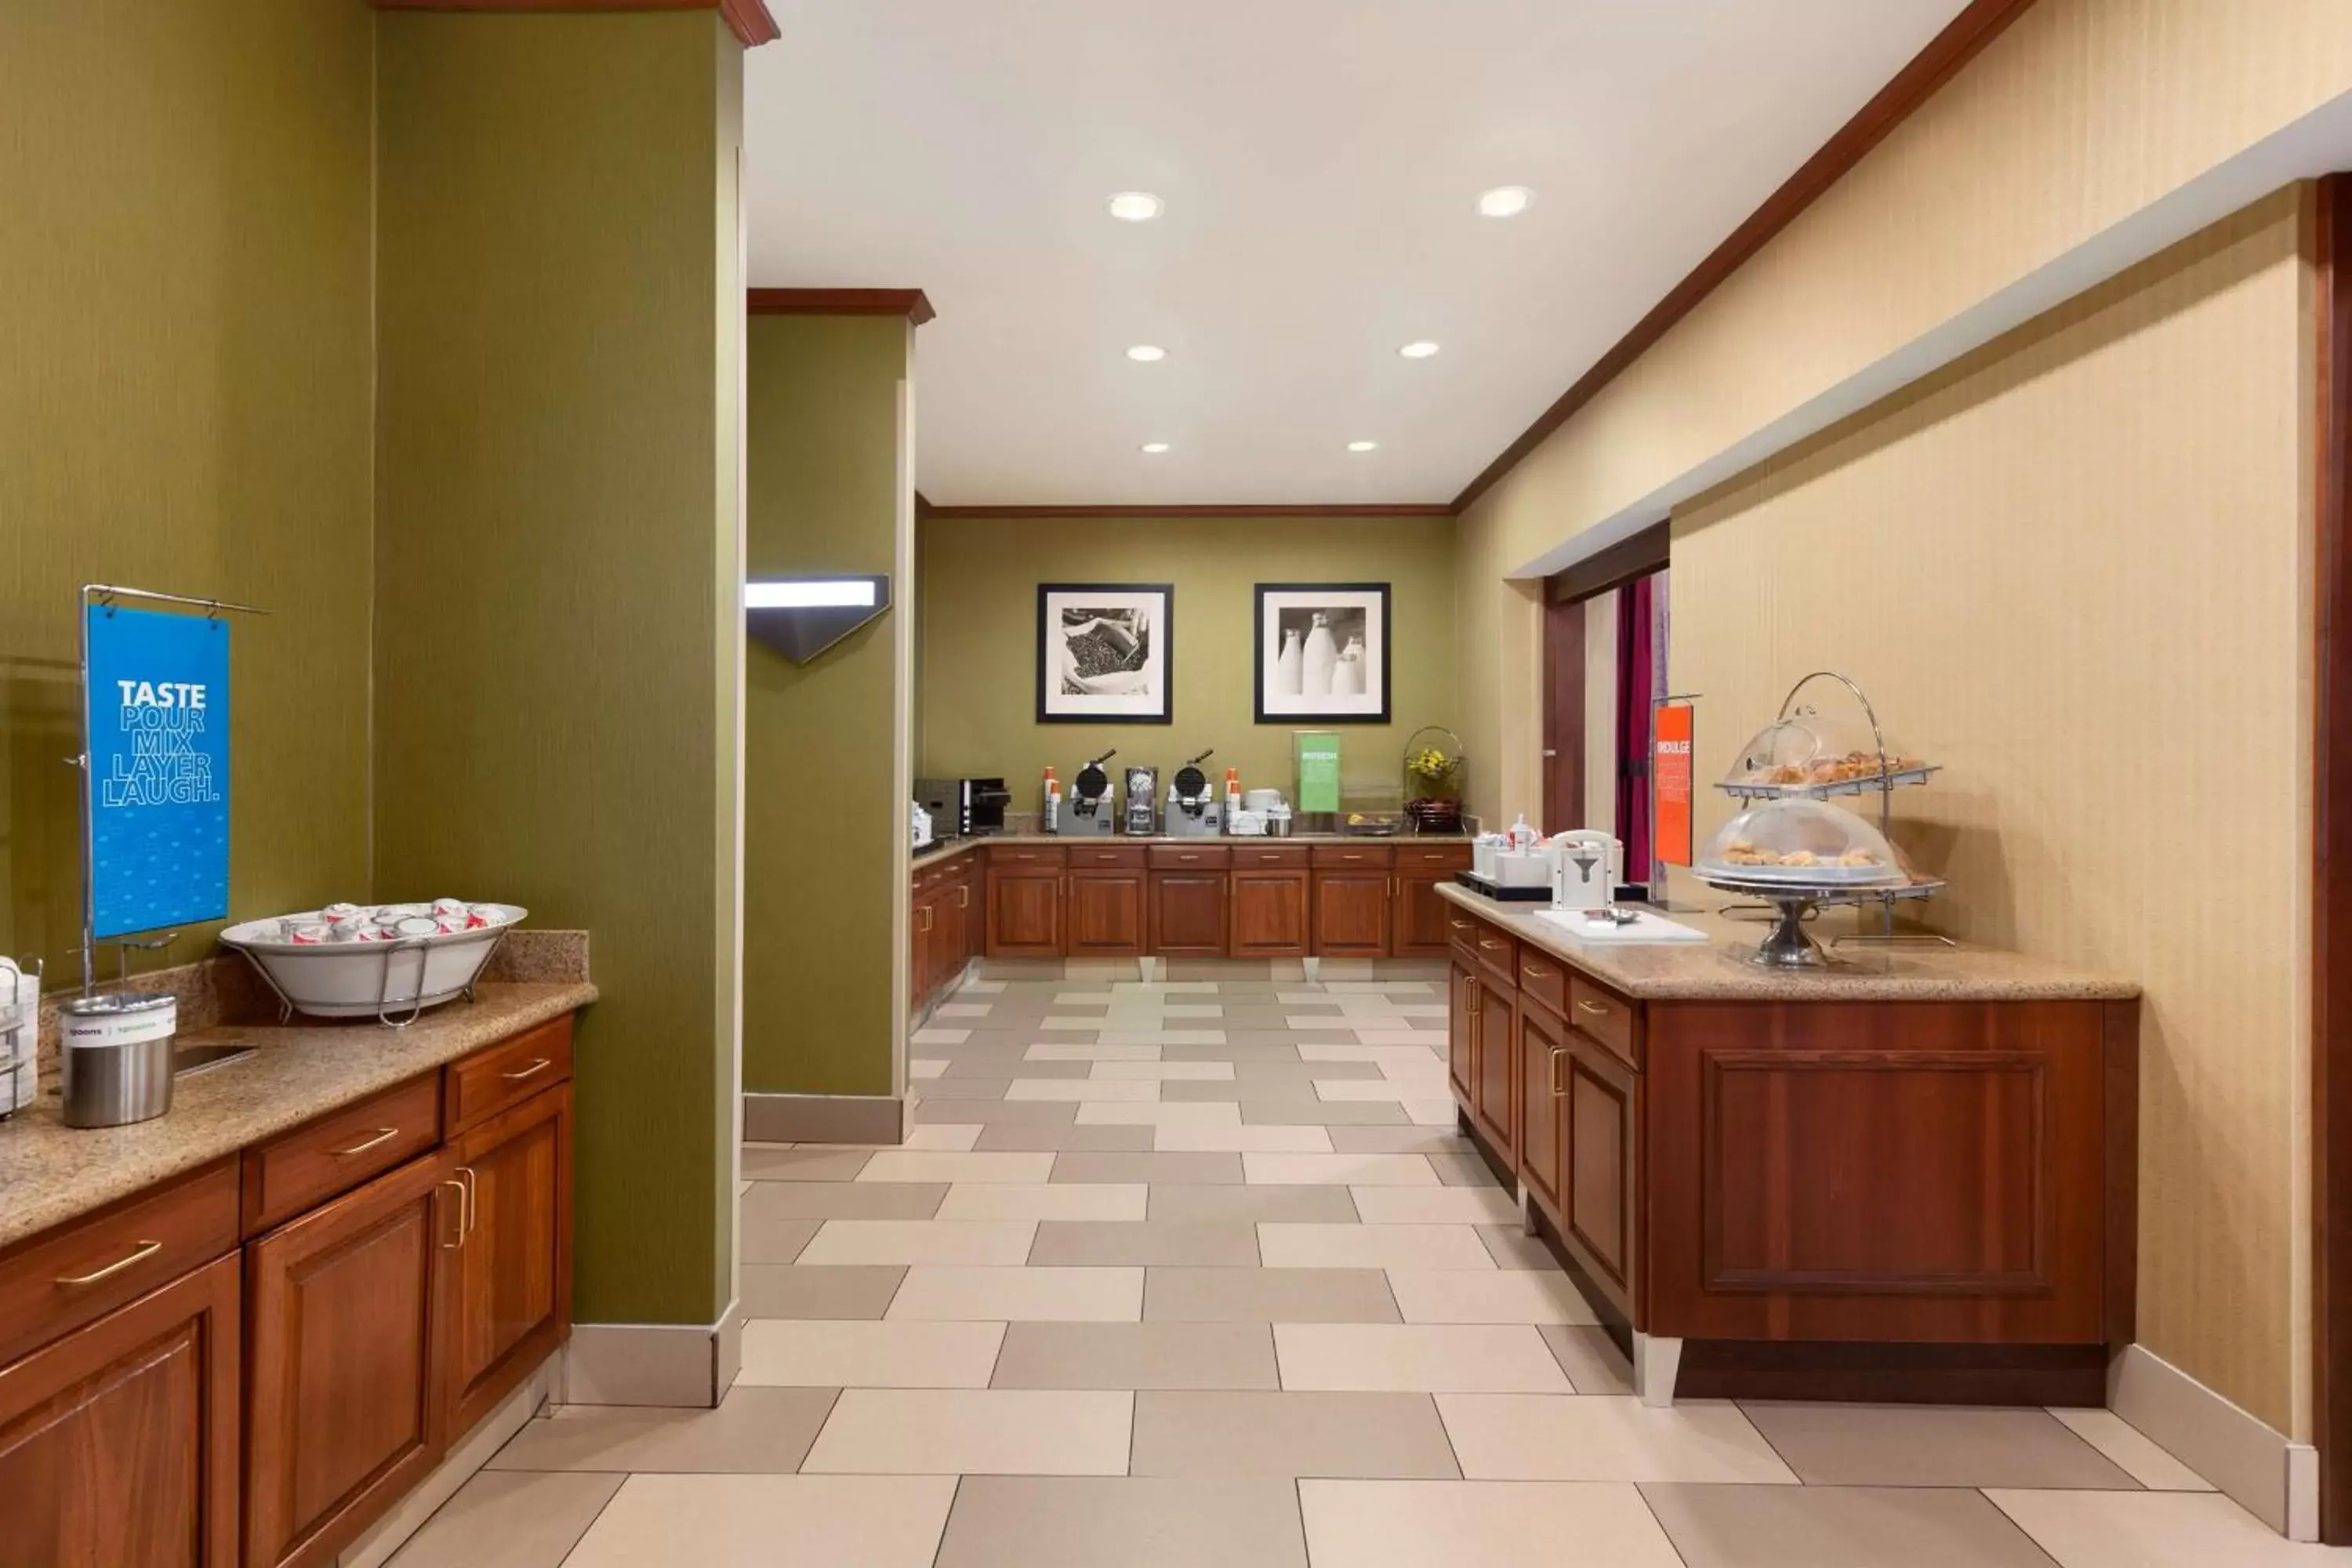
x,y
1320,160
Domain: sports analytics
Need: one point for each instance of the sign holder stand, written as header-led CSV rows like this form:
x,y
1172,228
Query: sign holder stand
x,y
1658,883
100,595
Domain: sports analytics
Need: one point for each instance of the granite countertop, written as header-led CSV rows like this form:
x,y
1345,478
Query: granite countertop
x,y
949,849
1716,971
52,1173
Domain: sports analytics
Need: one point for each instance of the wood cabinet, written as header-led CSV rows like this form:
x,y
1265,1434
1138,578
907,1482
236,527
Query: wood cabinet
x,y
1599,1111
118,1443
1269,913
1496,1107
345,1409
1420,921
1461,1031
1106,913
511,1291
1351,914
1541,1054
1188,913
1025,904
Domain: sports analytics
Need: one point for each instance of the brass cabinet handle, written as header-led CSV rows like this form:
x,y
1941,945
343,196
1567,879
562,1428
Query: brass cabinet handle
x,y
473,1211
382,1135
1459,925
1490,945
1534,971
139,1254
963,898
1558,1056
533,1070
1595,1008
929,913
460,1240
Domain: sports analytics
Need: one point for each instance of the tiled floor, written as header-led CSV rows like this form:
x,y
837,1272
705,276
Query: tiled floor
x,y
1199,1273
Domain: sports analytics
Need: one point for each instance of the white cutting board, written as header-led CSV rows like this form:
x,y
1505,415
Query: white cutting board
x,y
1646,927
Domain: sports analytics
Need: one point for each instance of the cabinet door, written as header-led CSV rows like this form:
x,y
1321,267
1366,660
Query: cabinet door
x,y
511,1286
1025,912
117,1443
1351,914
1188,914
1105,914
1498,1074
1461,1034
919,963
963,919
1269,914
1598,1118
1542,1054
1419,922
345,1399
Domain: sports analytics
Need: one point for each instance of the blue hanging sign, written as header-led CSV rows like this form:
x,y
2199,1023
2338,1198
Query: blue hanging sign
x,y
158,720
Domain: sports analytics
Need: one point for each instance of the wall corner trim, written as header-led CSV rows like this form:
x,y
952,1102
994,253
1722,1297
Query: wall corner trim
x,y
748,20
2259,1469
675,1365
911,303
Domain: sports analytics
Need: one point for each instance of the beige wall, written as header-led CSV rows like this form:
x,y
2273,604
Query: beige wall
x,y
980,640
2072,569
185,406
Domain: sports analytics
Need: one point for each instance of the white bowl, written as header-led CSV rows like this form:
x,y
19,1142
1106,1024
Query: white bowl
x,y
362,979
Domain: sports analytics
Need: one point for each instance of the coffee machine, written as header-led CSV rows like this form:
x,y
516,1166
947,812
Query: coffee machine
x,y
1142,802
1194,810
1090,810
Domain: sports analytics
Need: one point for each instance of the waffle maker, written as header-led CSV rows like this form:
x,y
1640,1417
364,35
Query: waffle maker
x,y
1090,811
1193,811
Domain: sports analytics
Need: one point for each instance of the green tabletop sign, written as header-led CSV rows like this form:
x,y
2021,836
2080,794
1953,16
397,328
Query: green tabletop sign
x,y
1319,769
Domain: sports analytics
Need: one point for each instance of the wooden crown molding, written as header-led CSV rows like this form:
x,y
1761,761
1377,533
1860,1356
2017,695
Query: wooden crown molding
x,y
1051,513
1613,568
1961,41
748,19
908,302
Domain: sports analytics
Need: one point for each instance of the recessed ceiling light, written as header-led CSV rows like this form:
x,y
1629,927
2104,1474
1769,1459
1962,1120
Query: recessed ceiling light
x,y
1135,206
1155,447
1145,353
1420,350
1363,446
1505,201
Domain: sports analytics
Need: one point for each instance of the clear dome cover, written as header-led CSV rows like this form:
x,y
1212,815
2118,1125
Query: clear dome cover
x,y
1804,843
1808,751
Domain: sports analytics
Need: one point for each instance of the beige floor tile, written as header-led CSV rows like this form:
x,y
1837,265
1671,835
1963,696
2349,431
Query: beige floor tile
x,y
1342,1170
741,1521
1583,1437
1357,1051
510,1518
1033,1295
1417,1358
943,1137
1435,1206
2155,1530
777,1240
1127,1522
1188,1137
760,1430
1012,1138
769,1202
2131,1452
1491,1296
1084,1089
1188,1170
1438,1141
767,1163
1115,1036
925,1067
1417,1246
1415,1524
939,1035
1511,1246
1839,1527
954,1242
1920,1446
964,1091
1268,1296
1318,1204
1372,1088
1466,1170
1589,1358
1046,1200
1277,1435
1137,1355
1371,1033
1158,1113
771,1290
991,1431
915,1165
1063,1051
993,1113
839,1355
1200,1071
1301,1075
1321,1113
1203,1243
1429,1112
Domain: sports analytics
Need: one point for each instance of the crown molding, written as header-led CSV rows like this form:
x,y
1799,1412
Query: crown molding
x,y
924,509
908,302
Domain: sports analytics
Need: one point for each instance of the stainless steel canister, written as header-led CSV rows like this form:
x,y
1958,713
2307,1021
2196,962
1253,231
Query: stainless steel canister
x,y
117,1051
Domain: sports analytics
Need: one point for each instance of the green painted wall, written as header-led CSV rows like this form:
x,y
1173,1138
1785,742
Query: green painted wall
x,y
557,630
823,817
980,638
185,406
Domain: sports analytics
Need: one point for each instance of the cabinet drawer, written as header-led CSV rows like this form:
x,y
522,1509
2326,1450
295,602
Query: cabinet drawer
x,y
1433,856
1190,857
57,1282
1352,856
1543,979
1026,855
489,1081
1270,858
1107,858
1463,932
319,1160
1606,1016
1498,952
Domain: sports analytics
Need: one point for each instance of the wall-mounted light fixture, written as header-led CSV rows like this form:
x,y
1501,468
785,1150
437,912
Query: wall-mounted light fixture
x,y
801,617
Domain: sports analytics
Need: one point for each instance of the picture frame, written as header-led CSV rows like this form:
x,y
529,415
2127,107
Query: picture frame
x,y
1105,653
1291,662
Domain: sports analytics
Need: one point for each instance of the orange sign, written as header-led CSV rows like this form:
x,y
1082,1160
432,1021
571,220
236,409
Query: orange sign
x,y
1670,771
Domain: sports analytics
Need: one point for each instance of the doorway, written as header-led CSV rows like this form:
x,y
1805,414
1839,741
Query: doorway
x,y
1604,660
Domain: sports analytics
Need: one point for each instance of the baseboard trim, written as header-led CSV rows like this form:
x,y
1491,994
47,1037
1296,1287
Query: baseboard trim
x,y
684,1366
824,1119
2268,1474
473,1451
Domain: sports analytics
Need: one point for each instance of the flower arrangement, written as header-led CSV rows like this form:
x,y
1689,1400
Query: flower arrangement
x,y
1434,774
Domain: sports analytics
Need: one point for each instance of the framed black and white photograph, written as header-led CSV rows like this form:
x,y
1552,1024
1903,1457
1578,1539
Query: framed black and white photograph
x,y
1323,652
1102,652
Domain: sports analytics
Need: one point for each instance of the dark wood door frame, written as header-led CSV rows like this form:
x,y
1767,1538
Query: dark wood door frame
x,y
2331,847
1563,711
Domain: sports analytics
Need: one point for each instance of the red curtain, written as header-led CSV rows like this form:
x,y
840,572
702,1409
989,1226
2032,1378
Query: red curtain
x,y
1636,688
